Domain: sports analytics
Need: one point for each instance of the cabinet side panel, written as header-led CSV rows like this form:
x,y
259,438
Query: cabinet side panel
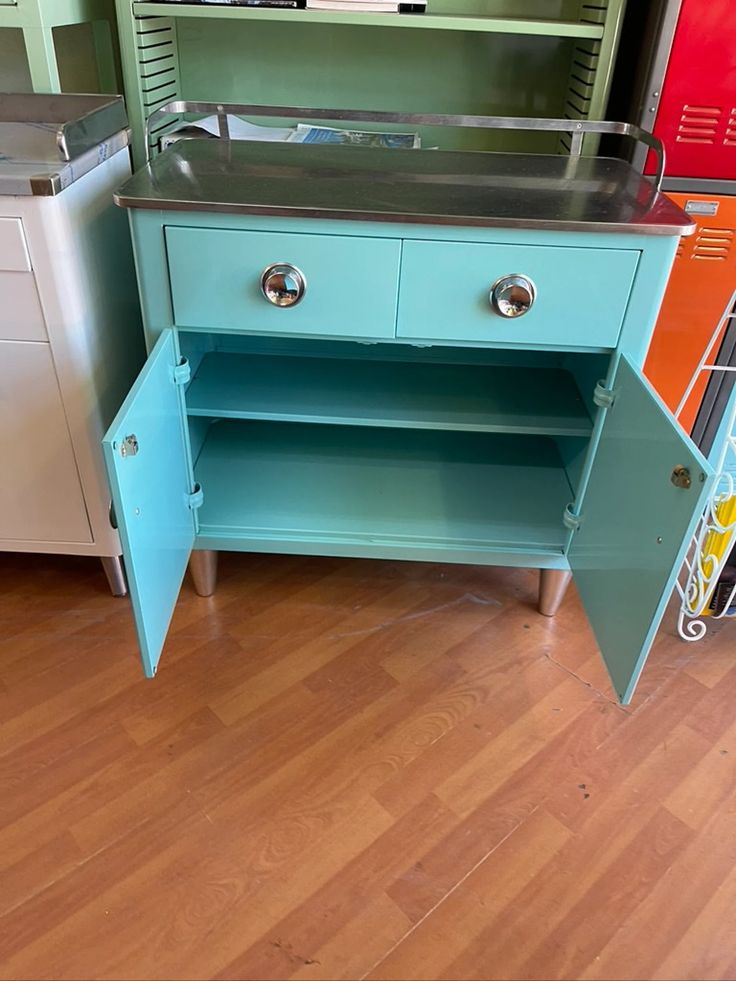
x,y
82,259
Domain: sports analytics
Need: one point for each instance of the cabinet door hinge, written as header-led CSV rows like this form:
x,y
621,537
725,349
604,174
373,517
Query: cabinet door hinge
x,y
182,372
196,498
571,520
602,396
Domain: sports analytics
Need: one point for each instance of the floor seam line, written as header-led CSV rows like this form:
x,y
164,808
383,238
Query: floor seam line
x,y
449,893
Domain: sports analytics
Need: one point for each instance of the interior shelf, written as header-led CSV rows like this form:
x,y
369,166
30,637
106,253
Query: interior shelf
x,y
442,22
288,483
362,392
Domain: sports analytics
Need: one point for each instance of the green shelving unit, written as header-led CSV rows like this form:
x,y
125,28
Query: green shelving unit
x,y
39,21
497,57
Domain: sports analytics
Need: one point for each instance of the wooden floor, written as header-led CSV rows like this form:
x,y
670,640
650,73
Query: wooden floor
x,y
352,769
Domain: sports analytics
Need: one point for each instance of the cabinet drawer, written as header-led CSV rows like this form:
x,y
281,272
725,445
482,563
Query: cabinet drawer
x,y
13,251
21,317
580,294
350,283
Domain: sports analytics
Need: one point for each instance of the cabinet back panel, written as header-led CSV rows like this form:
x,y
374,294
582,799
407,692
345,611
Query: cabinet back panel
x,y
379,351
369,67
546,9
419,490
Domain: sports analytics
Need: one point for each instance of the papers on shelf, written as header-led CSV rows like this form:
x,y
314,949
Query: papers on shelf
x,y
328,134
241,129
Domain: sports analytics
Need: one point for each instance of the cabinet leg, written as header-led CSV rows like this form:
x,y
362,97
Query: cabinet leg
x,y
553,584
115,572
203,569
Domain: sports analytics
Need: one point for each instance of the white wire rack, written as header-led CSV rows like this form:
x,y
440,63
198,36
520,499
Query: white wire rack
x,y
703,565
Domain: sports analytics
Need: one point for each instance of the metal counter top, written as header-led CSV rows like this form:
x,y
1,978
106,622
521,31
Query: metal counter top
x,y
49,141
534,191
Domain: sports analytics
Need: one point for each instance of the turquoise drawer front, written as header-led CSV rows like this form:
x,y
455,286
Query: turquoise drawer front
x,y
581,293
351,283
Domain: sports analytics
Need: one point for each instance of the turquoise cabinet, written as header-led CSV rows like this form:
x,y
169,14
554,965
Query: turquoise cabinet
x,y
458,392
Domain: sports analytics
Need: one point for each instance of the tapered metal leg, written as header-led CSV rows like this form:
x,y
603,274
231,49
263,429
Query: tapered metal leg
x,y
203,569
553,584
115,572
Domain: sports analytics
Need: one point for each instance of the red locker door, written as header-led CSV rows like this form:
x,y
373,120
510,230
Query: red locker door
x,y
696,120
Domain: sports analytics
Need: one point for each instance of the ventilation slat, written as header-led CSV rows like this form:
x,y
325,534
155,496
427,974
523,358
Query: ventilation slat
x,y
160,98
697,130
158,70
593,13
699,124
156,84
709,112
164,63
713,244
730,137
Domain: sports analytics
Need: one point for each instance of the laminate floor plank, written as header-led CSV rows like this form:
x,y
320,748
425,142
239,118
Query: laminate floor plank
x,y
650,936
351,769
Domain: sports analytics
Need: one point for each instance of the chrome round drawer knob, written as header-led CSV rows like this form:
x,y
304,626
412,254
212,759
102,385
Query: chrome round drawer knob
x,y
283,284
513,295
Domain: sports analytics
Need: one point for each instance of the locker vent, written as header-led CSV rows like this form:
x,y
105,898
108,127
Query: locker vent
x,y
731,130
713,243
157,65
699,124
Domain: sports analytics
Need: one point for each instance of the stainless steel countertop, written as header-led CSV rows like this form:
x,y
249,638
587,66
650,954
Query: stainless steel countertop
x,y
506,190
49,141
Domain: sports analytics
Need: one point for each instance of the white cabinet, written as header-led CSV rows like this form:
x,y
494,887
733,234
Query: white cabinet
x,y
41,495
70,345
21,316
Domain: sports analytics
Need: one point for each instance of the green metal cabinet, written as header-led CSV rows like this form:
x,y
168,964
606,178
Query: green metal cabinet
x,y
501,57
38,19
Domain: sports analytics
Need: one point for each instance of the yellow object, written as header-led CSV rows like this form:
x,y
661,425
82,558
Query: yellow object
x,y
717,545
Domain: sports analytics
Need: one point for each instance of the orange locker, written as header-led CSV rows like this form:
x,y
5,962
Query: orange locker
x,y
702,281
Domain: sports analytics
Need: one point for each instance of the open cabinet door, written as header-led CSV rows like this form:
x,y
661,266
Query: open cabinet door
x,y
148,467
635,524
